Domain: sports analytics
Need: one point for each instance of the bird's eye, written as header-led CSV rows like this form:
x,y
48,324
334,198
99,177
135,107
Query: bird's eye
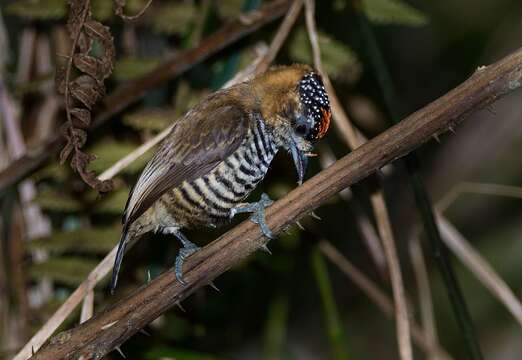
x,y
301,130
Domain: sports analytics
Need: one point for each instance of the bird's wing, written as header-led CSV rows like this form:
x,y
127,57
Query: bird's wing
x,y
195,146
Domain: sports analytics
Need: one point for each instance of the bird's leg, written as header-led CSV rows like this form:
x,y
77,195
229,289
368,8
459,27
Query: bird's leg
x,y
188,248
258,213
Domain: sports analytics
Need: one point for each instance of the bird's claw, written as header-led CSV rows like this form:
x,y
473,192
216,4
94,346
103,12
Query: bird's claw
x,y
188,248
258,213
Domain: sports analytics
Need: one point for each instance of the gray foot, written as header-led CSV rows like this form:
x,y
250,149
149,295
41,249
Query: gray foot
x,y
188,248
258,213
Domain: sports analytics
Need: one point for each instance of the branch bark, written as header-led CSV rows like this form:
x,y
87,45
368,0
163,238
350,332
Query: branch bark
x,y
132,91
96,337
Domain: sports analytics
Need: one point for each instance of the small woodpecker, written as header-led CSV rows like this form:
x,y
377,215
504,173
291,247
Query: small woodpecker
x,y
218,153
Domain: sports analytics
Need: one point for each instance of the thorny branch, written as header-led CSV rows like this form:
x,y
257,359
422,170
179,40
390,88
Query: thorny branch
x,y
104,332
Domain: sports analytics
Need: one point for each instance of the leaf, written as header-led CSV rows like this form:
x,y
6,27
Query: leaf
x,y
110,152
174,18
113,203
53,200
150,119
37,9
231,8
339,61
393,12
91,240
102,10
131,68
52,171
87,90
68,270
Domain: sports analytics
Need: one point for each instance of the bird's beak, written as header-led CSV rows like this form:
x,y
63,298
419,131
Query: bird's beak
x,y
300,162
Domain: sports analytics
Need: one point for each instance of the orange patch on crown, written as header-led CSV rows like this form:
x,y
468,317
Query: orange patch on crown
x,y
325,123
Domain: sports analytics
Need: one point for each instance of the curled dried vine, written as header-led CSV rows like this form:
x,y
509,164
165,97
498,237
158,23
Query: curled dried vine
x,y
86,89
119,5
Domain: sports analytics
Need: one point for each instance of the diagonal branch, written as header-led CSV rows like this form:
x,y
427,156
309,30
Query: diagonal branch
x,y
107,330
132,91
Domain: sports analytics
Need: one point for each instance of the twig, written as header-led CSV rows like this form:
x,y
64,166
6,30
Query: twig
x,y
399,294
480,267
477,188
87,307
423,287
422,198
379,298
280,37
67,307
132,91
111,328
377,200
365,227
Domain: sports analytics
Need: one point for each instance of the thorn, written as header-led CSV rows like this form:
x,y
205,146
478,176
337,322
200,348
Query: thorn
x,y
266,249
181,307
300,226
117,348
315,216
450,128
490,109
144,332
213,286
148,276
436,137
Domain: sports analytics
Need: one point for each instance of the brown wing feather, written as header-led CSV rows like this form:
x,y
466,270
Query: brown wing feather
x,y
195,146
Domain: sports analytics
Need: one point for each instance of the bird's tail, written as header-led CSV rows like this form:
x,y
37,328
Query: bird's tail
x,y
124,240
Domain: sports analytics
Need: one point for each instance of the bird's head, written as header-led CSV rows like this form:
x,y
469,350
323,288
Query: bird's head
x,y
295,104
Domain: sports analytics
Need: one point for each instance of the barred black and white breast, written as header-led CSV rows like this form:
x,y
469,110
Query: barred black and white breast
x,y
208,200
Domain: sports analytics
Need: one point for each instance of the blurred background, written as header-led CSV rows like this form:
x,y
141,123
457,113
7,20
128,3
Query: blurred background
x,y
295,303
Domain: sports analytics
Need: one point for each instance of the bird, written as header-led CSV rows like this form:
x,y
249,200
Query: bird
x,y
218,153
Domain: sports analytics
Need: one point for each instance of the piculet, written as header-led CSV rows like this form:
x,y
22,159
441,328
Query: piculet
x,y
219,152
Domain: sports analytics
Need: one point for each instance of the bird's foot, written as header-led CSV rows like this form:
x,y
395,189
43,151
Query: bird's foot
x,y
258,213
188,248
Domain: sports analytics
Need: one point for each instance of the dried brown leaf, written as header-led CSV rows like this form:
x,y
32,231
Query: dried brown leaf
x,y
81,118
89,65
86,90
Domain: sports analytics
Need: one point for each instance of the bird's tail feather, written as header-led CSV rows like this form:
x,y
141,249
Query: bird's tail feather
x,y
124,240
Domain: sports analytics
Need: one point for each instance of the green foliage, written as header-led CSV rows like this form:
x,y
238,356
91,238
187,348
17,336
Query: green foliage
x,y
150,119
113,203
339,60
131,68
66,270
53,171
331,313
393,12
109,152
98,240
102,10
276,326
38,9
174,18
54,200
230,8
